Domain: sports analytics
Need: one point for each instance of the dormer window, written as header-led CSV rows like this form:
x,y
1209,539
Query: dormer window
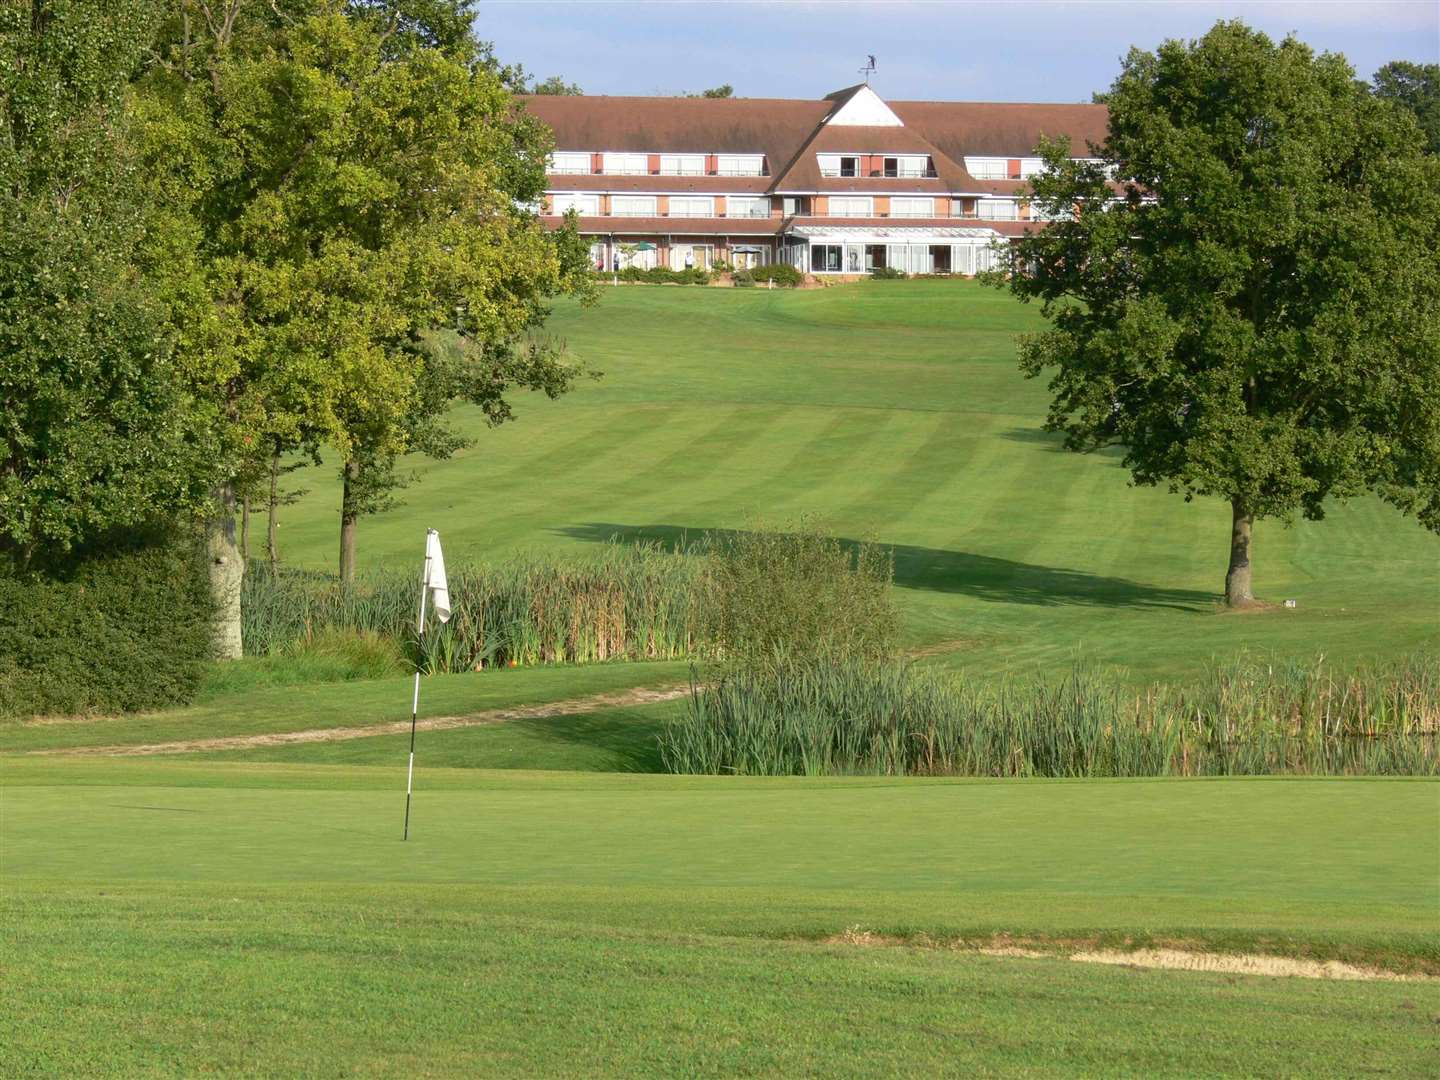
x,y
849,166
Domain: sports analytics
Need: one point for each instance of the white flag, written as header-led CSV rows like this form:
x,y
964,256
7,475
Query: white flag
x,y
435,578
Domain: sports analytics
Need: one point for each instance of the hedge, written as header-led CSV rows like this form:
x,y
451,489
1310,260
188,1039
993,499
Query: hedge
x,y
124,631
780,273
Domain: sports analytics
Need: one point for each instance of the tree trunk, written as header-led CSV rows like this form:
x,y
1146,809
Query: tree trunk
x,y
272,524
227,572
349,516
1237,579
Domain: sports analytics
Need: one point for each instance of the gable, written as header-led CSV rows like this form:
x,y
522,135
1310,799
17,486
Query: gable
x,y
864,109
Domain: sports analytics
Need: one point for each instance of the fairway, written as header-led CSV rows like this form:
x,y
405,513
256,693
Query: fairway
x,y
895,411
222,887
539,923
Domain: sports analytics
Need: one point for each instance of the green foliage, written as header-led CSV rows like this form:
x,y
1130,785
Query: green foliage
x,y
797,593
97,431
330,655
556,85
354,177
1257,315
115,631
725,90
627,603
1417,88
888,273
827,715
779,273
659,275
743,279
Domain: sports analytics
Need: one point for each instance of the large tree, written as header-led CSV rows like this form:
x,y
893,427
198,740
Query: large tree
x,y
97,430
1417,88
353,175
1244,288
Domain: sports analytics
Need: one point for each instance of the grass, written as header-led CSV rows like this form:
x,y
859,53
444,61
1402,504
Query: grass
x,y
170,917
249,704
892,410
255,912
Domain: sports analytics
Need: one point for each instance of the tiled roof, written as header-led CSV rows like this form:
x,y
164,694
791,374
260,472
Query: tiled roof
x,y
790,132
1001,129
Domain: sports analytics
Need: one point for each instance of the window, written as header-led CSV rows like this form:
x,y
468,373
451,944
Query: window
x,y
825,258
691,206
849,166
793,204
911,207
740,165
682,164
627,164
738,206
997,209
850,206
987,168
569,162
632,205
577,201
1039,213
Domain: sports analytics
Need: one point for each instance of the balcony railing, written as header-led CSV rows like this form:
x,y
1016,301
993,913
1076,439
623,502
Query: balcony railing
x,y
572,171
883,174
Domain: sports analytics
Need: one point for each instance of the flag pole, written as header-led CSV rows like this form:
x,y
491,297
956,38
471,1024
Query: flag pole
x,y
415,700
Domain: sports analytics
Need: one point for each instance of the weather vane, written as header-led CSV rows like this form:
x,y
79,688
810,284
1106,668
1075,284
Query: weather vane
x,y
869,68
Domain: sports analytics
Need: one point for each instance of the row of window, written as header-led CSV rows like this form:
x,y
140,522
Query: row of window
x,y
857,206
883,165
911,258
626,164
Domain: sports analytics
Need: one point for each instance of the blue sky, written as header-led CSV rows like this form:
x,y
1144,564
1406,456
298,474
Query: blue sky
x,y
992,50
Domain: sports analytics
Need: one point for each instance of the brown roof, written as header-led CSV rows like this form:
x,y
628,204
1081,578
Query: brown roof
x,y
803,173
770,126
790,133
1001,129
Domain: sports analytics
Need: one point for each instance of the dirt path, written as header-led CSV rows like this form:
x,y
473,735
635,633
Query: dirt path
x,y
571,707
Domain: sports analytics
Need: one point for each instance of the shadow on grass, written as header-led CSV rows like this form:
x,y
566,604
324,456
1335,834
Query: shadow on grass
x,y
984,577
628,740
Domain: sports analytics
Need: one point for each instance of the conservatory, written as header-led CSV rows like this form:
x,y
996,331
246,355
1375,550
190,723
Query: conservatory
x,y
862,249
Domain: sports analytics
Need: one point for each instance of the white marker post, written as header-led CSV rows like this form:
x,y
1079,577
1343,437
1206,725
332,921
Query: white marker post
x,y
432,581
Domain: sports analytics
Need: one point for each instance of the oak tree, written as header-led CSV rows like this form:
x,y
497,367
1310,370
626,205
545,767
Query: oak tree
x,y
1243,286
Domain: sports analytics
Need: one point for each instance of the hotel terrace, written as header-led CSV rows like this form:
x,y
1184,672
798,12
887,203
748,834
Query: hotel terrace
x,y
839,186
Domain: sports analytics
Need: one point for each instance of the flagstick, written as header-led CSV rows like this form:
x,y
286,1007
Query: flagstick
x,y
415,701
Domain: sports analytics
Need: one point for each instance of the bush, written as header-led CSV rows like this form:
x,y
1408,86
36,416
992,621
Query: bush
x,y
743,279
827,715
780,273
798,592
116,632
662,275
888,273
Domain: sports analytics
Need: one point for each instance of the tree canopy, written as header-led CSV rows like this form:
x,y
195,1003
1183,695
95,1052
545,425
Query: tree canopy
x,y
98,431
1417,88
349,177
1243,288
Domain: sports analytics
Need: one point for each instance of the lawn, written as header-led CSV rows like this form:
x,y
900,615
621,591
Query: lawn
x,y
562,910
177,917
895,411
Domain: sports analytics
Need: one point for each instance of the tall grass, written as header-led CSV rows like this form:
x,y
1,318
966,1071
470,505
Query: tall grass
x,y
728,597
826,716
623,603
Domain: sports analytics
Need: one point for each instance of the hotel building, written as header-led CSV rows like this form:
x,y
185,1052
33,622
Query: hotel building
x,y
838,186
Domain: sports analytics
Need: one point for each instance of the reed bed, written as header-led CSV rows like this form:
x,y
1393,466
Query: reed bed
x,y
846,715
623,603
